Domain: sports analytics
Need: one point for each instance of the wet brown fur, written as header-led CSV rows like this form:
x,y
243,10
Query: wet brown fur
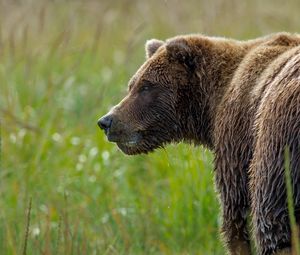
x,y
241,100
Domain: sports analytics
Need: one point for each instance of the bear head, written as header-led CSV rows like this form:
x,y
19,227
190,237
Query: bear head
x,y
151,114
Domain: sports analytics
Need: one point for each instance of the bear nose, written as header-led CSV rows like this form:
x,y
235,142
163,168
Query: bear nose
x,y
105,122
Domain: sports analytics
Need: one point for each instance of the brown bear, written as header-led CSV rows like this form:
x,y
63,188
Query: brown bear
x,y
241,99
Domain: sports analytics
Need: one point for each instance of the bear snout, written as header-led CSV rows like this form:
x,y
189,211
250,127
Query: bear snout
x,y
105,122
115,130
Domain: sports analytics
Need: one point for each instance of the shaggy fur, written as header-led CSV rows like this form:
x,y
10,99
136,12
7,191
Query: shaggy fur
x,y
241,100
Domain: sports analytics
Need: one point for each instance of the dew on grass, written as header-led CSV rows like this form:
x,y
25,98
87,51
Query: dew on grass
x,y
122,211
75,140
35,231
119,173
82,158
92,178
105,156
43,208
22,132
56,137
79,167
125,211
93,152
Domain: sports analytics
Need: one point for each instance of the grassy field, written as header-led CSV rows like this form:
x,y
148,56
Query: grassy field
x,y
63,188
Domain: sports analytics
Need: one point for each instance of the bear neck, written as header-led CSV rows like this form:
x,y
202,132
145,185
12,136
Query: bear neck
x,y
208,84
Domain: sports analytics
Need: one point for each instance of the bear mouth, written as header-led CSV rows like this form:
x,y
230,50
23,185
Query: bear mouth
x,y
121,137
136,142
128,144
139,145
135,145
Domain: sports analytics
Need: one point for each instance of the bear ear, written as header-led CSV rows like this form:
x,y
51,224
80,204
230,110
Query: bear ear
x,y
180,51
152,46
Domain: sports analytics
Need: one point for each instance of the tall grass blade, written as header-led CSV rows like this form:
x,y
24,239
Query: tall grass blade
x,y
290,201
27,226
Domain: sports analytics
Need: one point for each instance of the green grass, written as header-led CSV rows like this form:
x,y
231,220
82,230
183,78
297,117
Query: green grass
x,y
62,65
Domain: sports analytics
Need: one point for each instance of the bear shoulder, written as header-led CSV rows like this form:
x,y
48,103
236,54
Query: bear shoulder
x,y
260,60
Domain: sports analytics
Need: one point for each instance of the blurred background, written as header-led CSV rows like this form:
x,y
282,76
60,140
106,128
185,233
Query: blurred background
x,y
63,188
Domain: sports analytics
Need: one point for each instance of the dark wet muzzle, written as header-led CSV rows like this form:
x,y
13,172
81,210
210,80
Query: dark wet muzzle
x,y
105,122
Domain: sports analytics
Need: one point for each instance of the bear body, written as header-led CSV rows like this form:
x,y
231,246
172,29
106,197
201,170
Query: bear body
x,y
241,99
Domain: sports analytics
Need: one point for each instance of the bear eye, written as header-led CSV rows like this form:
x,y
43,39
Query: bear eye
x,y
146,87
